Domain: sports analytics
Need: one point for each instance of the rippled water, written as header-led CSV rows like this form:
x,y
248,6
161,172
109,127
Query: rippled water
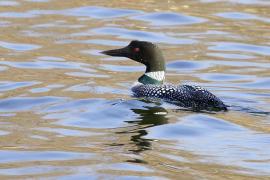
x,y
66,110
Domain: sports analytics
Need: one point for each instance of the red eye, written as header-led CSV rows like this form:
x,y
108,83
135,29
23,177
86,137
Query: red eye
x,y
136,49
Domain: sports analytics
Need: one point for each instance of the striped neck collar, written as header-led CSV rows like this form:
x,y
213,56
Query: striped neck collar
x,y
156,77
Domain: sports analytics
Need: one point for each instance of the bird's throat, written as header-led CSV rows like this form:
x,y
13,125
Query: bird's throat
x,y
156,77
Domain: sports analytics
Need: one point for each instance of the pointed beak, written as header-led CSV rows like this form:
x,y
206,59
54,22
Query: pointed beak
x,y
122,52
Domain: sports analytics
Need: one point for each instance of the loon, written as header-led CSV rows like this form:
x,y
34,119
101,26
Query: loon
x,y
151,83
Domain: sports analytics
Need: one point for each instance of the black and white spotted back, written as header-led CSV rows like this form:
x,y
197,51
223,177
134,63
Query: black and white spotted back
x,y
186,96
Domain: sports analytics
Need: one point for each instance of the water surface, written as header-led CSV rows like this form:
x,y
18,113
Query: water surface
x,y
66,111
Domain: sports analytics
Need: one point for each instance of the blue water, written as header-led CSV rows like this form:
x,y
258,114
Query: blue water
x,y
66,111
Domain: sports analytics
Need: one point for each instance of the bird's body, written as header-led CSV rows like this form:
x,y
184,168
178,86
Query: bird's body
x,y
186,96
151,83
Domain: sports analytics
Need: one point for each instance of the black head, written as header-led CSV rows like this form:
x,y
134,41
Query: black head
x,y
143,52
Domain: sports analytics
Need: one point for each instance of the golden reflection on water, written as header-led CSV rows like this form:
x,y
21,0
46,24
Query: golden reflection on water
x,y
71,115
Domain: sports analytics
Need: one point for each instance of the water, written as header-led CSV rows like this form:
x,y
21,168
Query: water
x,y
66,110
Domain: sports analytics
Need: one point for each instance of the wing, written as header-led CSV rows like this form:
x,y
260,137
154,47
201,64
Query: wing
x,y
187,96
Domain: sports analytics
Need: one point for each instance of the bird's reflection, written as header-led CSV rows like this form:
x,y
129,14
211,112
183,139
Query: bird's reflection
x,y
148,117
